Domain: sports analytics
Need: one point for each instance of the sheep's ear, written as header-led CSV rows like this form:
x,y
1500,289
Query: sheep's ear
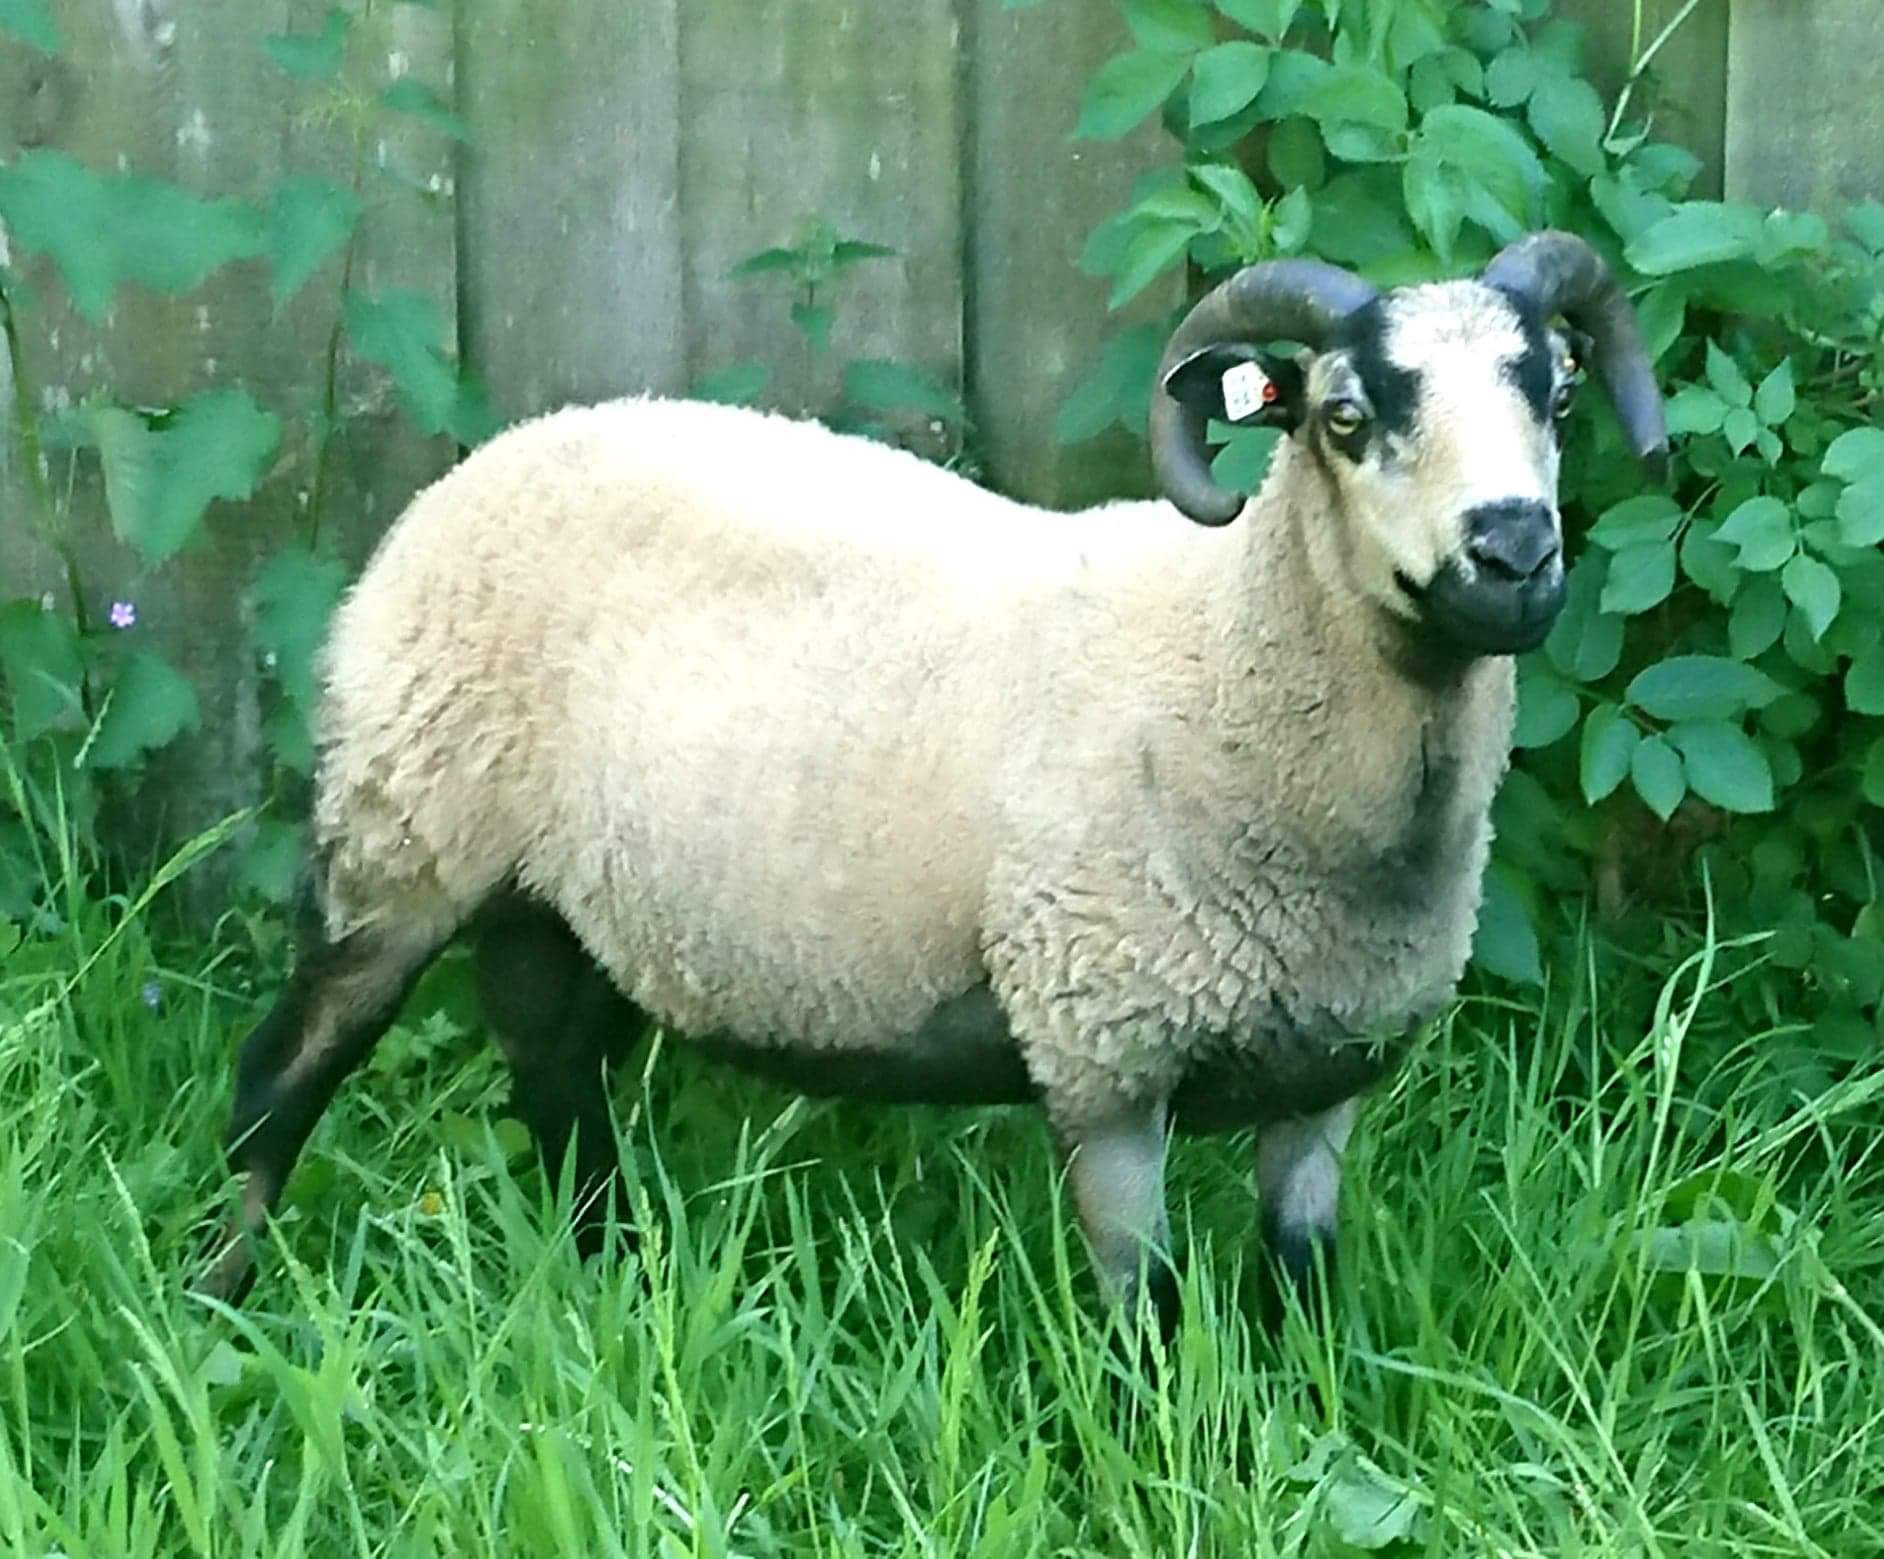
x,y
1235,382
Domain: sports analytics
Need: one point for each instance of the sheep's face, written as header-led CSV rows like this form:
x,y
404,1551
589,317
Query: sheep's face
x,y
1435,414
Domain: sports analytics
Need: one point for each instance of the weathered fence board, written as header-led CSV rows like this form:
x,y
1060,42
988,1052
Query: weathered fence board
x,y
571,185
1805,117
1035,322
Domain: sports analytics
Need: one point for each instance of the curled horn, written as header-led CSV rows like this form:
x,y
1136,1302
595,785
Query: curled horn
x,y
1561,274
1279,300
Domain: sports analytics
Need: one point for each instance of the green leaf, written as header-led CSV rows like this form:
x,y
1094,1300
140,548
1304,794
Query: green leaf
x,y
404,333
1546,712
1243,462
853,251
1358,94
1295,154
1585,643
160,481
31,23
1762,529
1118,390
737,384
1656,771
1724,765
1169,26
1700,687
1568,117
1709,562
101,230
1640,577
1861,513
312,56
1856,455
1726,377
883,384
1700,232
407,96
1814,589
1774,400
1155,249
1436,198
767,260
1609,742
1695,409
308,220
1757,619
1294,218
1233,191
1267,18
1126,90
1489,151
1740,428
150,705
293,598
1505,941
1366,1508
1873,780
1227,79
813,321
1293,76
1636,522
1864,682
42,666
1511,77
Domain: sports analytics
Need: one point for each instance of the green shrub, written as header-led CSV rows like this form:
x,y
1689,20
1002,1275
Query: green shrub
x,y
1707,709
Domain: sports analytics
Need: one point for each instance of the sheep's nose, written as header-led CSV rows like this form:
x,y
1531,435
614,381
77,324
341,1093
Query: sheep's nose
x,y
1514,540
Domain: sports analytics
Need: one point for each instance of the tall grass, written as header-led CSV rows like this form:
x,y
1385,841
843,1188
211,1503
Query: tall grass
x,y
1606,1288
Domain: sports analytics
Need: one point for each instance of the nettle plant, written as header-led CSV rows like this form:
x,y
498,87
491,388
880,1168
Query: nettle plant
x,y
877,396
1712,694
87,699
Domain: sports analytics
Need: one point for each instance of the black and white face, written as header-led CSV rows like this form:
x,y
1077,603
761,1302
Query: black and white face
x,y
1436,416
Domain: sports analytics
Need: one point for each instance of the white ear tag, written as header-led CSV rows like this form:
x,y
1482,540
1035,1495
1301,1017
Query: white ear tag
x,y
1246,391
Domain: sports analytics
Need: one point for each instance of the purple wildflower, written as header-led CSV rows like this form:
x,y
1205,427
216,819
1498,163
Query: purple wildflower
x,y
123,614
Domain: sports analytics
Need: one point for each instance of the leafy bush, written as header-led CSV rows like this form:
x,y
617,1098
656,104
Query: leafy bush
x,y
1711,696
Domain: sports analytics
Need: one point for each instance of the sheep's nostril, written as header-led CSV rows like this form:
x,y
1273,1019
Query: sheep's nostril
x,y
1514,541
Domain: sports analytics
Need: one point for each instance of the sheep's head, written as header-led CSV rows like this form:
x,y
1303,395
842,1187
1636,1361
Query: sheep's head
x,y
1434,412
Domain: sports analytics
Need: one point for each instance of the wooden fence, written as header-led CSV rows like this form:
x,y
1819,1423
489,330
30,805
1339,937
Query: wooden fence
x,y
621,155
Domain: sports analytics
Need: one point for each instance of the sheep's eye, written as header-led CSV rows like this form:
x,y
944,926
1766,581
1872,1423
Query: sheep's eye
x,y
1344,418
1564,398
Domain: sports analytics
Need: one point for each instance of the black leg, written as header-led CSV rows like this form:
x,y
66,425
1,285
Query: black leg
x,y
563,1026
340,998
1298,1169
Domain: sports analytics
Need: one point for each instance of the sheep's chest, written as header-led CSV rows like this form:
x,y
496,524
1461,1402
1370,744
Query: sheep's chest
x,y
1329,958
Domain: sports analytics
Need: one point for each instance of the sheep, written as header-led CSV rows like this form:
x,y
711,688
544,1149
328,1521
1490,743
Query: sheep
x,y
885,786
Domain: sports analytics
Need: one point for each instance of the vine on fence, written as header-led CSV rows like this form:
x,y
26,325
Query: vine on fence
x,y
1712,694
88,702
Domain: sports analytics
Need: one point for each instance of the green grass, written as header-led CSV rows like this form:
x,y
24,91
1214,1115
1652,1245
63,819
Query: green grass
x,y
1605,1290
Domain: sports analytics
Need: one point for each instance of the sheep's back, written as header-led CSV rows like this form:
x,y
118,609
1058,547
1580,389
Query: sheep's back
x,y
718,685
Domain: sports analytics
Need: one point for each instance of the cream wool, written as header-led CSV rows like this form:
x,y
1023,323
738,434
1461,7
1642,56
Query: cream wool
x,y
891,786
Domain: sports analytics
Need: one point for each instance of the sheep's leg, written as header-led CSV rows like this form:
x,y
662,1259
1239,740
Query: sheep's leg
x,y
1298,1175
1116,1167
562,1025
341,997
